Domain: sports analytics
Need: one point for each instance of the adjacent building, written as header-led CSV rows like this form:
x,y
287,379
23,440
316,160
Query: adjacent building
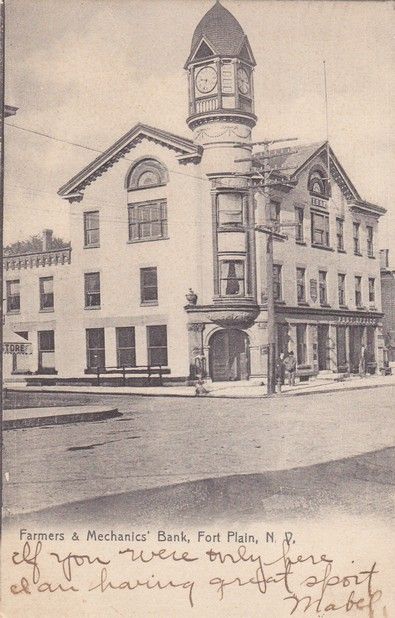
x,y
167,266
388,302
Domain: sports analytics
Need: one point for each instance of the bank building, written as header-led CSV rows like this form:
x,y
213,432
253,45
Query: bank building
x,y
167,264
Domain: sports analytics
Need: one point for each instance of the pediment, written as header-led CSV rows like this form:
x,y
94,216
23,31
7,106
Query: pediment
x,y
184,148
204,50
245,52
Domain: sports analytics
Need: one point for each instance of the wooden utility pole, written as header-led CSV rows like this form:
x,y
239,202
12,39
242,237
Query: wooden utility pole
x,y
261,182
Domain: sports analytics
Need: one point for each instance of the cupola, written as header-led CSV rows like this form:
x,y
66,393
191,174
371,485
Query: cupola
x,y
220,66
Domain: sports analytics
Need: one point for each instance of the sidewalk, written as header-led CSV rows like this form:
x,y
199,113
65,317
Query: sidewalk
x,y
238,390
34,417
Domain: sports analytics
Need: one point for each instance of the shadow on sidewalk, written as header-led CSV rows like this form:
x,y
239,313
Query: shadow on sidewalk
x,y
359,485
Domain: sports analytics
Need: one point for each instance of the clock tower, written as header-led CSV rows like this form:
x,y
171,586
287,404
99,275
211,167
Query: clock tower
x,y
221,115
220,68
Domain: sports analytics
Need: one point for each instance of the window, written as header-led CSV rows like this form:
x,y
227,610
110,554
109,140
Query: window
x,y
13,296
358,292
369,240
157,345
300,285
95,351
148,220
145,174
91,229
46,350
372,291
355,228
277,287
340,234
301,347
322,287
92,290
232,277
148,285
299,216
230,209
126,346
275,213
320,230
341,286
46,293
318,184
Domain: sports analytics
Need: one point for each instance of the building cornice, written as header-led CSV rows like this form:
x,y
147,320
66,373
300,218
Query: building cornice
x,y
55,257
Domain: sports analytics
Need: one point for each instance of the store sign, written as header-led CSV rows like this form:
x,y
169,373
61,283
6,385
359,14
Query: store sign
x,y
313,290
357,321
17,348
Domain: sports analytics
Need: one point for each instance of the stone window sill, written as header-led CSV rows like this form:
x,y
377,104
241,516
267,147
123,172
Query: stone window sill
x,y
341,251
343,307
149,303
322,247
325,305
47,310
302,243
96,308
91,246
303,303
358,254
138,240
371,257
14,312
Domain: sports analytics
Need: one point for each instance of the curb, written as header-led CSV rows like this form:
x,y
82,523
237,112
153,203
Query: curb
x,y
60,419
208,396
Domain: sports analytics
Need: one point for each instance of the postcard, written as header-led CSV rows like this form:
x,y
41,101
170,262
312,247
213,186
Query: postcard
x,y
198,327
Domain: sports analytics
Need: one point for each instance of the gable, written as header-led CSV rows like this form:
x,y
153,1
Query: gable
x,y
186,151
245,52
203,51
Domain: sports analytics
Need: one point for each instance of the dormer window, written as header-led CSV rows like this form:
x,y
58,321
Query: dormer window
x,y
145,174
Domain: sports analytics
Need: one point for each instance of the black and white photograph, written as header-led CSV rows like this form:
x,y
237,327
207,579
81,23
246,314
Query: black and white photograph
x,y
198,316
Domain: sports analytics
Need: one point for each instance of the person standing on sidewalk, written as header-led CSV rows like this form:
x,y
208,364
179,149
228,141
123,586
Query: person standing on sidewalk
x,y
280,372
362,362
290,366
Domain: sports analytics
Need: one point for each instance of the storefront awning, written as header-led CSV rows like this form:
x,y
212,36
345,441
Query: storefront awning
x,y
15,344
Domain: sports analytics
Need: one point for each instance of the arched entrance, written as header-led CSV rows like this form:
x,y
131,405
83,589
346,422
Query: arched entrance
x,y
229,355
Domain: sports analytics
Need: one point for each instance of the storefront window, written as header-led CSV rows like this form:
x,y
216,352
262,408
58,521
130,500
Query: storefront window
x,y
157,345
95,351
46,350
301,346
126,346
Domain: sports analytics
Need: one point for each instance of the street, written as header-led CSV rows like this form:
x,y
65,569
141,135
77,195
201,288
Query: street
x,y
183,458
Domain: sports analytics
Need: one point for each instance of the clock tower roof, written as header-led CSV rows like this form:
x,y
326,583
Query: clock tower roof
x,y
223,33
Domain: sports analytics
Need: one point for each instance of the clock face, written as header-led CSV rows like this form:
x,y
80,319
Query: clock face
x,y
206,80
243,81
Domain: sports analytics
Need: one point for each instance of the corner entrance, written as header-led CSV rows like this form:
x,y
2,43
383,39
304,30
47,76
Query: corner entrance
x,y
229,356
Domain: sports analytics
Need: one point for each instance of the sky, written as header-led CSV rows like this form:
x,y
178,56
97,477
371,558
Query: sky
x,y
86,71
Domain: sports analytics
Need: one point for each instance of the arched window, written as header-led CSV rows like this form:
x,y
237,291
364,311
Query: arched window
x,y
318,183
146,173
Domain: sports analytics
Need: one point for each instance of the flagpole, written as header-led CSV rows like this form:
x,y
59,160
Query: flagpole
x,y
327,124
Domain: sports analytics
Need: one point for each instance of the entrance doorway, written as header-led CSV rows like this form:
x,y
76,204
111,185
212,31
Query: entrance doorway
x,y
356,337
229,355
323,346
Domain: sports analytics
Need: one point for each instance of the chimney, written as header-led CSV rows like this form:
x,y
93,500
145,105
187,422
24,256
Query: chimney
x,y
47,240
384,260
